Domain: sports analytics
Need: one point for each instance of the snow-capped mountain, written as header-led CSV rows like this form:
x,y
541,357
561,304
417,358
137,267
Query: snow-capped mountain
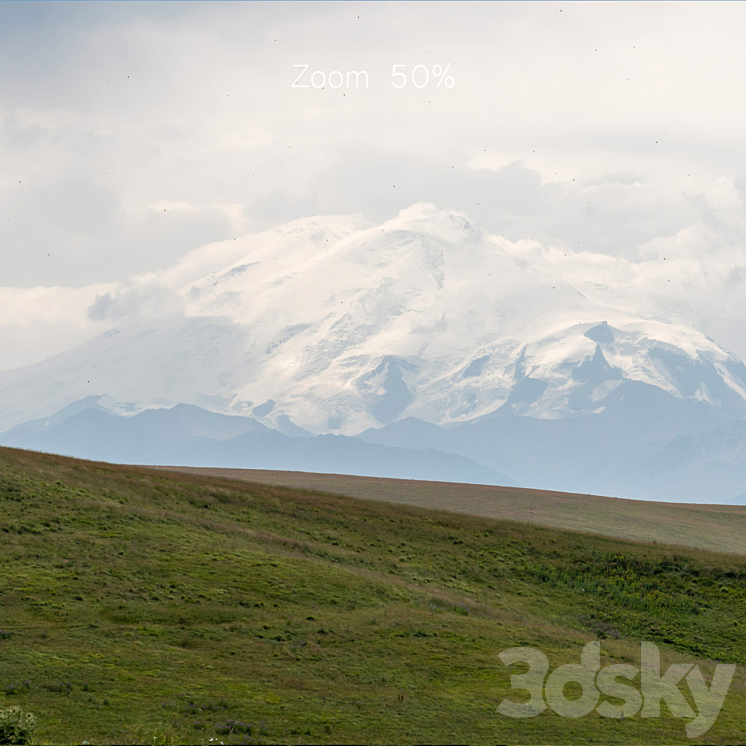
x,y
338,328
334,326
572,369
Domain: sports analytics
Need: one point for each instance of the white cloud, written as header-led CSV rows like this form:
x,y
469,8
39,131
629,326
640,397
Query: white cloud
x,y
143,298
38,322
137,134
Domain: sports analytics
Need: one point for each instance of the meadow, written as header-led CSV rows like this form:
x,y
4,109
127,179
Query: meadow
x,y
720,528
143,606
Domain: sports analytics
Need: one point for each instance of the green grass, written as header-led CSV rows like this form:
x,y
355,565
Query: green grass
x,y
719,528
142,606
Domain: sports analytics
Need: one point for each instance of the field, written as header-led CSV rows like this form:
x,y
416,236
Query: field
x,y
719,528
147,606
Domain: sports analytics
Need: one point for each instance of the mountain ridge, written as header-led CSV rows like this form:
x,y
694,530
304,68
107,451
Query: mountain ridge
x,y
336,327
94,434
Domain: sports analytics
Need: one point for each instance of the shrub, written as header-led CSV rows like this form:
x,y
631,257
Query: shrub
x,y
63,687
16,726
21,688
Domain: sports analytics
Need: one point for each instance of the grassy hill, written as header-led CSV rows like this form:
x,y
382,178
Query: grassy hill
x,y
719,528
138,605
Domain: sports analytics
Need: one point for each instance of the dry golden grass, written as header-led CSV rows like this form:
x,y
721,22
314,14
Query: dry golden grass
x,y
719,528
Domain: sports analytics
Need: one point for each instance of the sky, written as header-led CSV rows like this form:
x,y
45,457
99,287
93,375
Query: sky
x,y
598,139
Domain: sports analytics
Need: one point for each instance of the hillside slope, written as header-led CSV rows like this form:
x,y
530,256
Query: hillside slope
x,y
139,606
719,528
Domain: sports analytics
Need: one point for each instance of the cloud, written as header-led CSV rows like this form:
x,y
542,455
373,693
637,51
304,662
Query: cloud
x,y
142,299
693,277
604,137
71,230
281,207
38,322
107,110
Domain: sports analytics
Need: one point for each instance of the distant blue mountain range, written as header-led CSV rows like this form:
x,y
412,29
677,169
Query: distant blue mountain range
x,y
645,443
189,435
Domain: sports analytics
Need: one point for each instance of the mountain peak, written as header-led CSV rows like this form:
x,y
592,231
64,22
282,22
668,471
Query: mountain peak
x,y
344,325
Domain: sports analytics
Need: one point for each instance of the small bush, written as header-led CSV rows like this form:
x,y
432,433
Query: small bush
x,y
21,688
63,687
233,726
16,726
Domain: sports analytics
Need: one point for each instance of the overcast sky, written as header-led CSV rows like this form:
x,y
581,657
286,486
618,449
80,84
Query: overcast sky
x,y
132,133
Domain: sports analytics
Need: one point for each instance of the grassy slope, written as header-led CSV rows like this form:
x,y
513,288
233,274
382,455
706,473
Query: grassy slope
x,y
136,603
719,528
